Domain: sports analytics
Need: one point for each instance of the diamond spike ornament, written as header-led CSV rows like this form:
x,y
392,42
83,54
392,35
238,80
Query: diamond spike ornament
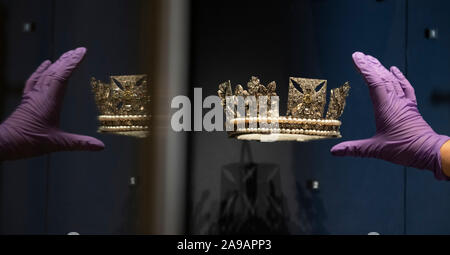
x,y
337,101
308,103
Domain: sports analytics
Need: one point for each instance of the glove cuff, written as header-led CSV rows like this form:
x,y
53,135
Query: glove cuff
x,y
9,148
437,165
4,142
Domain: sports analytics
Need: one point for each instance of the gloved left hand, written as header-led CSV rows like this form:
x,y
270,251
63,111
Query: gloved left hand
x,y
33,128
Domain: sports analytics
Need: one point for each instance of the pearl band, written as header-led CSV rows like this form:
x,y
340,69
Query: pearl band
x,y
121,117
122,128
285,131
288,120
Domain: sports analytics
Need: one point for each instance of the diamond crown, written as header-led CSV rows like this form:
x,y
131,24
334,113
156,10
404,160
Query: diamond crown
x,y
305,109
123,104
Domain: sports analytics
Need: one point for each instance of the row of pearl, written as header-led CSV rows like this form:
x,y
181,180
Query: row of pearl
x,y
289,131
121,117
289,120
122,128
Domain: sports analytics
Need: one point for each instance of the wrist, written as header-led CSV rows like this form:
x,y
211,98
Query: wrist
x,y
425,153
3,142
445,158
7,146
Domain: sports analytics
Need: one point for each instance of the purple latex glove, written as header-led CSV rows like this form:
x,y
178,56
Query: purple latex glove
x,y
33,128
402,135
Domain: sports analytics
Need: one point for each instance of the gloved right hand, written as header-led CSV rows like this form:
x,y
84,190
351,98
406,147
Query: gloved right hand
x,y
402,136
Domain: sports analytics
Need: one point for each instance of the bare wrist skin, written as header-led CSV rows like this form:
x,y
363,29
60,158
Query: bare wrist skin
x,y
445,158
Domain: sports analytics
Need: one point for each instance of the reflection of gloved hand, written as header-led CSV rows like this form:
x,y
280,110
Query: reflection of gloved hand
x,y
402,135
32,129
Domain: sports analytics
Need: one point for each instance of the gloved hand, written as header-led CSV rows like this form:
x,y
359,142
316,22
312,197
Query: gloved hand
x,y
33,128
402,135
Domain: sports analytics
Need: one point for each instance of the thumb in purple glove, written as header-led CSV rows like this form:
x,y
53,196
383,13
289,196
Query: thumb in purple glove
x,y
402,135
33,128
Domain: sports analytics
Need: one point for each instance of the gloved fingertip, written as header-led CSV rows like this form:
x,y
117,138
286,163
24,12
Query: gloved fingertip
x,y
397,72
66,55
73,54
45,64
63,68
360,61
338,150
358,56
373,60
78,55
95,145
80,142
81,50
